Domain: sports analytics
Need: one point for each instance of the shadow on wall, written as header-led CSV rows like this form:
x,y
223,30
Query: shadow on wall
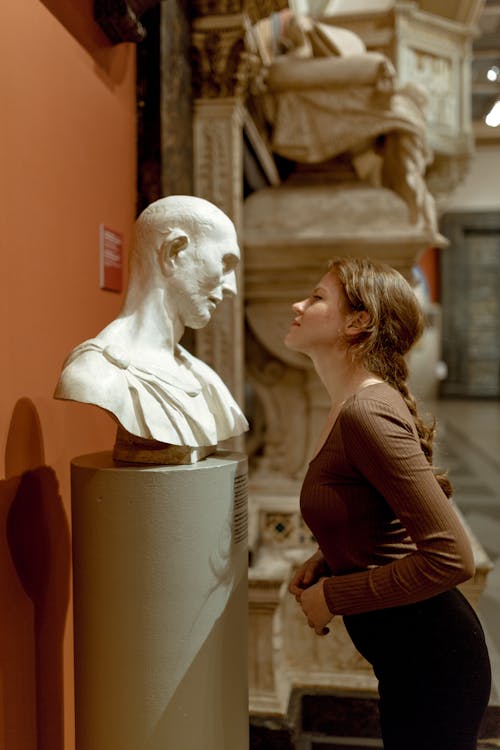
x,y
111,61
34,591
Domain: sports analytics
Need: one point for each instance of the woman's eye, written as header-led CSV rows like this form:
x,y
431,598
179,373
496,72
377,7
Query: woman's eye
x,y
316,297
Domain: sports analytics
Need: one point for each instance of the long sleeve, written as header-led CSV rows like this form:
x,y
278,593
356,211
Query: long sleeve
x,y
382,447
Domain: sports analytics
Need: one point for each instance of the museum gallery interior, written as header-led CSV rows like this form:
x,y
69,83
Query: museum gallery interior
x,y
174,176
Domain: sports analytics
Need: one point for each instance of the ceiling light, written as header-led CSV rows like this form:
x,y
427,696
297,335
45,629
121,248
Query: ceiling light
x,y
493,73
493,117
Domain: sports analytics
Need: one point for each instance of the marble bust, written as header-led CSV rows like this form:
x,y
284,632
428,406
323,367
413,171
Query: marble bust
x,y
170,406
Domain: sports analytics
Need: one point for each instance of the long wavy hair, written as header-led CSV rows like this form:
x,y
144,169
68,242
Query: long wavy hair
x,y
395,324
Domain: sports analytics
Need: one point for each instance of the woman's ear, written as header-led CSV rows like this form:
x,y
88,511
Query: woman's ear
x,y
356,322
171,247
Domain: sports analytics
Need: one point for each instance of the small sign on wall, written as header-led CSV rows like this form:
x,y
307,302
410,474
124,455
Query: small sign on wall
x,y
111,253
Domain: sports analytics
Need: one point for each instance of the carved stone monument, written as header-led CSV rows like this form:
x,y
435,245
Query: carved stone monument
x,y
170,406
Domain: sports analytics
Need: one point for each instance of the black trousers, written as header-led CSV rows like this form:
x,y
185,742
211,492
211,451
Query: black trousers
x,y
432,665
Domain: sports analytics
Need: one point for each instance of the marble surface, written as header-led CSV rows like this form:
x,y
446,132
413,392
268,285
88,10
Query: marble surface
x,y
182,264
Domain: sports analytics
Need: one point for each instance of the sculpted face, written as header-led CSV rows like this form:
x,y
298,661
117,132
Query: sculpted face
x,y
203,273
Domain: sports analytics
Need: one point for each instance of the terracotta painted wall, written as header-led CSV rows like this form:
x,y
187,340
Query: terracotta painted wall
x,y
67,163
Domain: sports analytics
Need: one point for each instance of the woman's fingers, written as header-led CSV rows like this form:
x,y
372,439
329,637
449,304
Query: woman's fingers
x,y
318,631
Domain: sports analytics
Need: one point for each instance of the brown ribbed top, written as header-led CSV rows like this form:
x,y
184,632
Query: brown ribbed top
x,y
387,530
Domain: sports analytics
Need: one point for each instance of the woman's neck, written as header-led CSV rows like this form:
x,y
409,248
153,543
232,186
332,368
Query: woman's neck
x,y
343,378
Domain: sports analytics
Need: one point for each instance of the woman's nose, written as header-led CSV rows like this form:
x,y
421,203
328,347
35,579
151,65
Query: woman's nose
x,y
298,307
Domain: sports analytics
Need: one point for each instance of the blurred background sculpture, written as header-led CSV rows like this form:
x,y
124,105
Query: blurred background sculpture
x,y
327,95
170,406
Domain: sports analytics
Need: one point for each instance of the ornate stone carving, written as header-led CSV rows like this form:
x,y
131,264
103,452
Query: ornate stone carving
x,y
224,57
327,105
445,175
429,50
221,64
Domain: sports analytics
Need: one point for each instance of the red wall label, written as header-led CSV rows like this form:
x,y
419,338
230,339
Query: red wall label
x,y
111,246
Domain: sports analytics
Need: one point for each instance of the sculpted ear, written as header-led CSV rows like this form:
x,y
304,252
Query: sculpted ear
x,y
171,247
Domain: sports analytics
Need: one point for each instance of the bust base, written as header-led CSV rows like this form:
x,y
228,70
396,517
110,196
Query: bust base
x,y
160,604
136,450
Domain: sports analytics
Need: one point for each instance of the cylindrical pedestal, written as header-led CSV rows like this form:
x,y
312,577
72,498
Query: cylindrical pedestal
x,y
160,597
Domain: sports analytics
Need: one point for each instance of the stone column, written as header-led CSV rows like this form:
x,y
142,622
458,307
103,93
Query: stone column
x,y
224,62
218,177
268,690
220,73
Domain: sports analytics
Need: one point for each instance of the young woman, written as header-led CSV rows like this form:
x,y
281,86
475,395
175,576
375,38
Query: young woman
x,y
391,547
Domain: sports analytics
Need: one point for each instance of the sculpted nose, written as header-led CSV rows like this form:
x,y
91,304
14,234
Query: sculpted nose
x,y
229,284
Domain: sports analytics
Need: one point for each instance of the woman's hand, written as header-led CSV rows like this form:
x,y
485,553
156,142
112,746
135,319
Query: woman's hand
x,y
315,608
308,574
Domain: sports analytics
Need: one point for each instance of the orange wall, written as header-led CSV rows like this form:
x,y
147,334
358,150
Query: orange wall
x,y
67,163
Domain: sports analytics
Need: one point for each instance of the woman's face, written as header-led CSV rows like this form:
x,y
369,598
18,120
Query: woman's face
x,y
320,319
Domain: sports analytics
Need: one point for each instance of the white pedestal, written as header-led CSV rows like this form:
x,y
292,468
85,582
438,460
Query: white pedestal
x,y
160,597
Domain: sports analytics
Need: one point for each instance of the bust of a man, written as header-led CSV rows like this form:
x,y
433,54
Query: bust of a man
x,y
170,406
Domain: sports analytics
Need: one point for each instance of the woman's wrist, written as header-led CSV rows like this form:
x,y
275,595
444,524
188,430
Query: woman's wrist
x,y
327,593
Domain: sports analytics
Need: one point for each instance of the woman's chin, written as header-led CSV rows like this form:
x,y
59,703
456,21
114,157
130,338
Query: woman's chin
x,y
289,343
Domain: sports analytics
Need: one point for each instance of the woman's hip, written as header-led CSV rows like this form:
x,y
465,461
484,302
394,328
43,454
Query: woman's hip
x,y
434,631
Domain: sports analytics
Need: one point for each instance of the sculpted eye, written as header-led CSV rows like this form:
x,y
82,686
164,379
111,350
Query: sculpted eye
x,y
229,262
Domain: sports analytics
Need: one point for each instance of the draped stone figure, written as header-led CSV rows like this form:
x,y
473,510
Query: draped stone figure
x,y
329,96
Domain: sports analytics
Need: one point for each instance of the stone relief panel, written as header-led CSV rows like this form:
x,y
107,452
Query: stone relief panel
x,y
438,76
434,52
